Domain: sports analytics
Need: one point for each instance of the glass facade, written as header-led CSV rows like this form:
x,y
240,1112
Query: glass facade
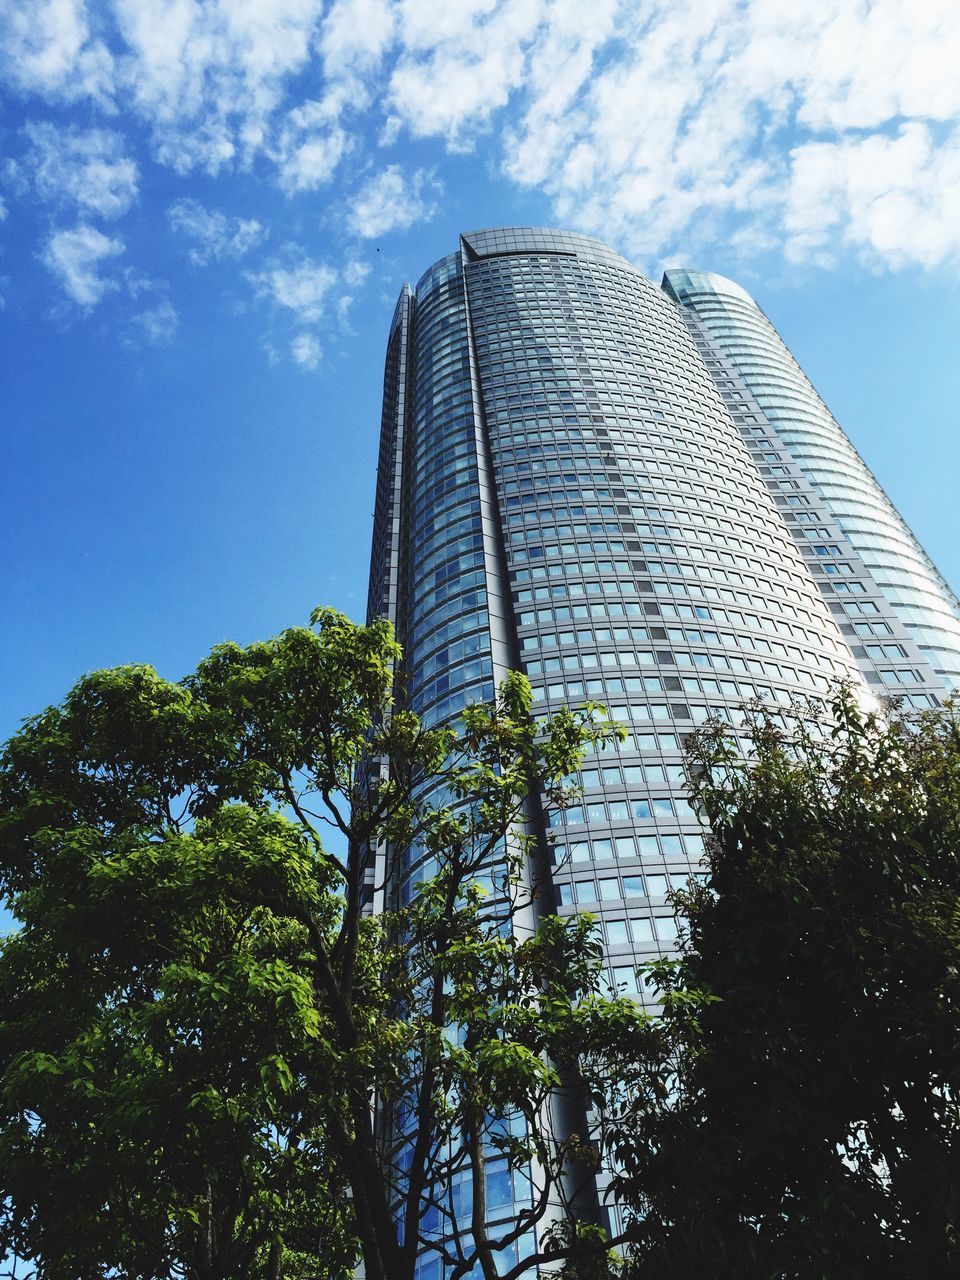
x,y
633,494
562,488
896,611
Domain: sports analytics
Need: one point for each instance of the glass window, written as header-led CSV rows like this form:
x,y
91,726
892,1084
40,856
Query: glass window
x,y
499,1186
616,933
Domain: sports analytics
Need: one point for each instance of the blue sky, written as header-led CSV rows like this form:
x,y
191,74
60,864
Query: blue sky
x,y
208,210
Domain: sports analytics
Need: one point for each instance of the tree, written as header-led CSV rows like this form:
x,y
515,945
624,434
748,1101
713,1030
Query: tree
x,y
812,1126
214,1062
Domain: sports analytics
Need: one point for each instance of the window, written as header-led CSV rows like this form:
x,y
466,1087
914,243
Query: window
x,y
617,933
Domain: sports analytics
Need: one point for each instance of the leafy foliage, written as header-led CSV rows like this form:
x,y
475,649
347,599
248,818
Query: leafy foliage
x,y
214,1062
811,1127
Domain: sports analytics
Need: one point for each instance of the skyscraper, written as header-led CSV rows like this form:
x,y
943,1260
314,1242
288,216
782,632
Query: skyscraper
x,y
633,494
900,617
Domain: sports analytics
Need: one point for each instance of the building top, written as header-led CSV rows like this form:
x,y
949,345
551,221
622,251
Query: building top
x,y
681,284
494,242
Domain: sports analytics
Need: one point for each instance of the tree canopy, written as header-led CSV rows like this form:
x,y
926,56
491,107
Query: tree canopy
x,y
813,1124
217,1062
214,1061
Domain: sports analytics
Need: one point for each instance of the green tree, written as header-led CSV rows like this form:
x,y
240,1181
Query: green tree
x,y
214,1062
811,1127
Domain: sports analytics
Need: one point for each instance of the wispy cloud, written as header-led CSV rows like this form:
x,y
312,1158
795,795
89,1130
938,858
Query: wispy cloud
x,y
664,126
460,65
391,201
306,350
47,48
209,76
88,168
157,325
892,199
311,160
76,257
669,126
215,235
355,271
313,297
302,288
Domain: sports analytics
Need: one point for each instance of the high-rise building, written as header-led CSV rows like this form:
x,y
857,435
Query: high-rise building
x,y
897,613
633,494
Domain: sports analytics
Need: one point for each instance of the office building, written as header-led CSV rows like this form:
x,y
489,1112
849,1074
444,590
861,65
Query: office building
x,y
896,611
632,493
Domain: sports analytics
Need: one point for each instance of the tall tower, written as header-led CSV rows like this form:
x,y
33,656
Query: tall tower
x,y
563,487
633,494
896,611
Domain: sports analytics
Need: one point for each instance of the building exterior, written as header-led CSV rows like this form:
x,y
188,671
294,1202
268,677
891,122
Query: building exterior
x,y
898,614
634,494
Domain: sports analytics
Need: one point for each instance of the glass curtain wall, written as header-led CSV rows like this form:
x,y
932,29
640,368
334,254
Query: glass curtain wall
x,y
895,607
562,488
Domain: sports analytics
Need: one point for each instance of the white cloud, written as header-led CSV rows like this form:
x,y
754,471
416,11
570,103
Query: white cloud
x,y
674,125
390,201
209,75
663,126
344,304
891,199
216,236
313,295
87,168
158,324
46,47
312,163
459,64
311,144
75,258
355,36
865,65
305,350
355,271
312,138
302,289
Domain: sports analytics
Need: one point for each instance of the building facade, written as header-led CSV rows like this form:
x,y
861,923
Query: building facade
x,y
632,493
896,611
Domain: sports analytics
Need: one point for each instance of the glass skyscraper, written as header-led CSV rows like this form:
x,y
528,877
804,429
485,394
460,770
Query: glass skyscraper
x,y
897,613
632,493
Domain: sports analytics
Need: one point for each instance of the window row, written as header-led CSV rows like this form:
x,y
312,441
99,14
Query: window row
x,y
627,848
597,812
586,893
